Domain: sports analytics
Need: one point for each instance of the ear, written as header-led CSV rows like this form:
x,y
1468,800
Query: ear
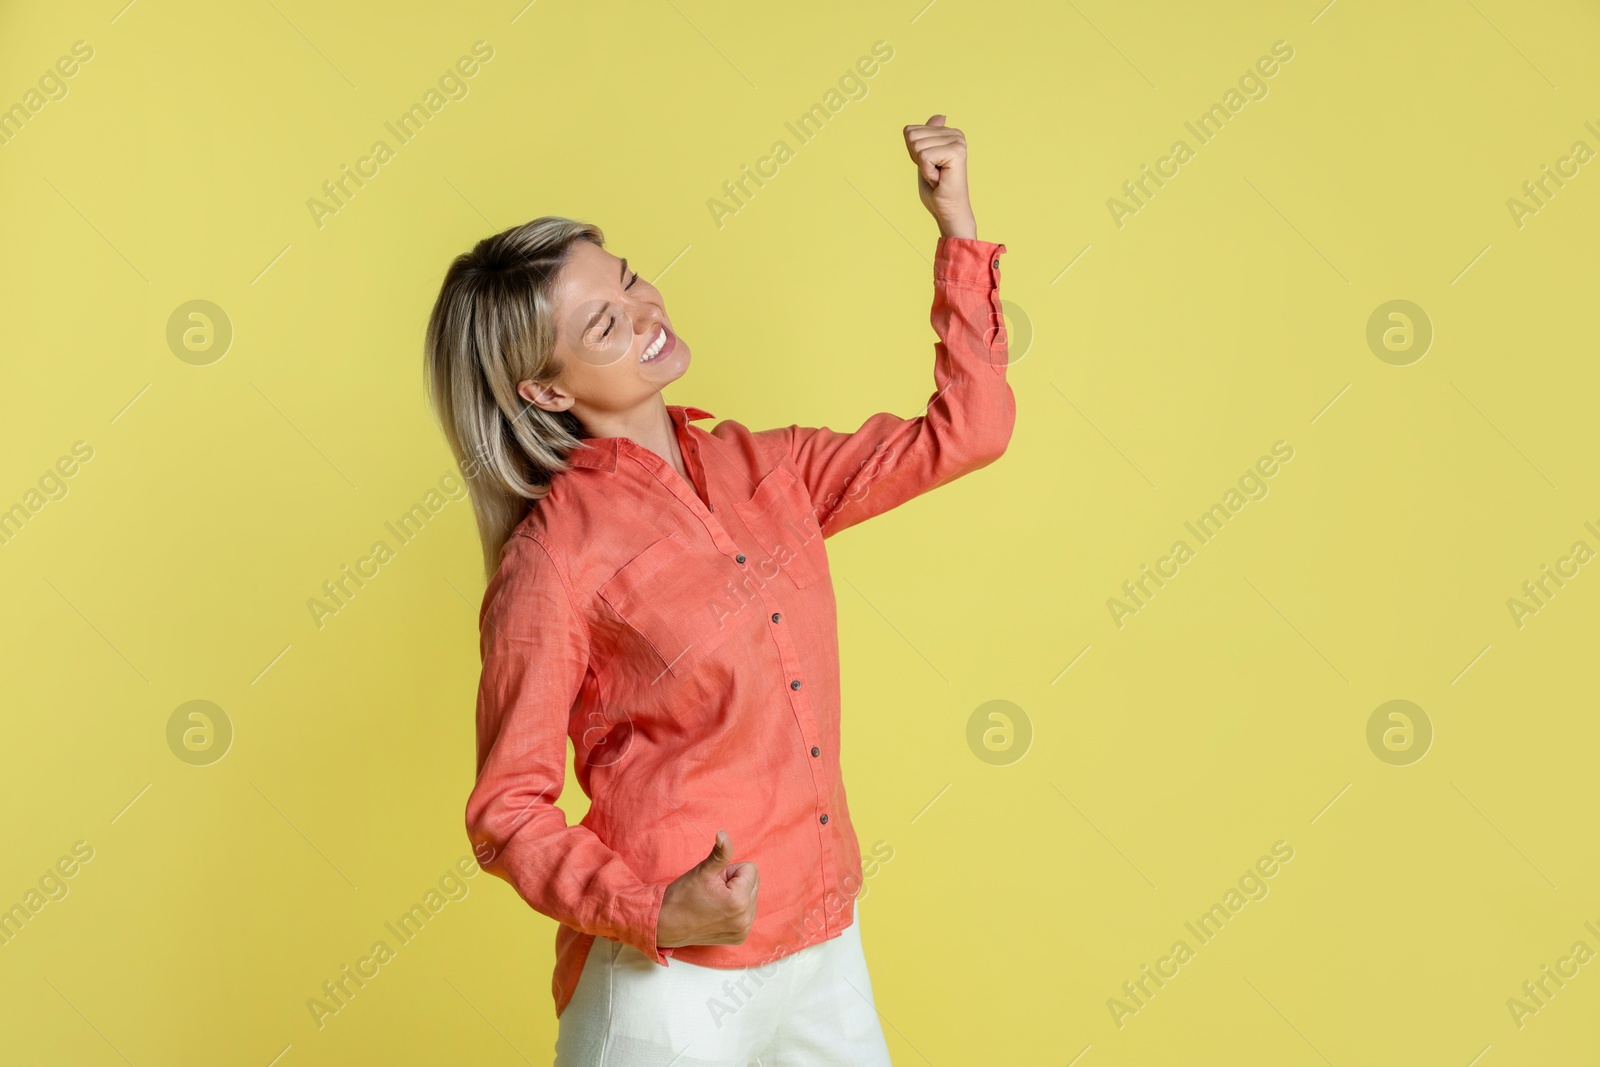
x,y
545,395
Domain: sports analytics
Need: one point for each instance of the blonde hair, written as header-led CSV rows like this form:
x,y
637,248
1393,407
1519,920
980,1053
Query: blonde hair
x,y
492,327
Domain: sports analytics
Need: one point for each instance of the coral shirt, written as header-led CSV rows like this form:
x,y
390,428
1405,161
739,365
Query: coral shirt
x,y
683,636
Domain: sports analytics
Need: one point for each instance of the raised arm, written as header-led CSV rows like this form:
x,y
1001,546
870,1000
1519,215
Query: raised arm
x,y
888,460
535,646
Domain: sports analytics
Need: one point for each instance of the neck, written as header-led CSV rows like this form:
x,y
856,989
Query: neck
x,y
648,425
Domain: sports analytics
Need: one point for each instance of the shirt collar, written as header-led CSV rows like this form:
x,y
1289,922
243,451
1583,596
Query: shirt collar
x,y
601,452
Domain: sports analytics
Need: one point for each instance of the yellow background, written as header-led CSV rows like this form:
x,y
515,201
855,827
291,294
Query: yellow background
x,y
1226,315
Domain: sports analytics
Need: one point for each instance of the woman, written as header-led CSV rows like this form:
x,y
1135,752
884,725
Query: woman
x,y
660,594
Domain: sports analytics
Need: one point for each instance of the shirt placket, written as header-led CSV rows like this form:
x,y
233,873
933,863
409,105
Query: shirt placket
x,y
810,740
788,654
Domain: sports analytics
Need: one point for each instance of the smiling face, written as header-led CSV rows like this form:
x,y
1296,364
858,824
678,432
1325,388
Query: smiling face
x,y
614,342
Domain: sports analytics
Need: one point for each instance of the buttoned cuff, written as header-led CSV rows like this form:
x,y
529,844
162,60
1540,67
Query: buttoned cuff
x,y
967,262
640,920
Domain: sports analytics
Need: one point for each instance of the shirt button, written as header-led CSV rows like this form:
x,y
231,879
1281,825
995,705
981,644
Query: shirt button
x,y
776,616
997,264
816,751
795,684
824,818
739,558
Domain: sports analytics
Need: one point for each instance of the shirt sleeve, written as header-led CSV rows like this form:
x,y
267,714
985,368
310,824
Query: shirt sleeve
x,y
535,647
853,476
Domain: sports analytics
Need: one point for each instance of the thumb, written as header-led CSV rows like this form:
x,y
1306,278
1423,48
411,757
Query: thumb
x,y
721,853
935,120
741,877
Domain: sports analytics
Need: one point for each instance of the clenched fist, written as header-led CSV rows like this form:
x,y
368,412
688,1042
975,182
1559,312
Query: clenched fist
x,y
940,153
714,903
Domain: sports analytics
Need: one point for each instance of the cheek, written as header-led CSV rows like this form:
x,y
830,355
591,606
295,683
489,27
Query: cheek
x,y
608,378
590,380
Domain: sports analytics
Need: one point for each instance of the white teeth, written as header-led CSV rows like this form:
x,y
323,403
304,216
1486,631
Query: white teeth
x,y
655,346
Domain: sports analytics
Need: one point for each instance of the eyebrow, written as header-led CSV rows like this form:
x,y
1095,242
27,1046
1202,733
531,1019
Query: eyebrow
x,y
596,317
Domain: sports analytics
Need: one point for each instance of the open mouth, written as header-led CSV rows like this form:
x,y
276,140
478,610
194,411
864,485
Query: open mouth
x,y
663,344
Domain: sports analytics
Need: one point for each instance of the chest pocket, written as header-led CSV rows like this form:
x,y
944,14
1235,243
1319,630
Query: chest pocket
x,y
677,601
779,515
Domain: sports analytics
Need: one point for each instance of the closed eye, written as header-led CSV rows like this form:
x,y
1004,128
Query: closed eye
x,y
625,288
613,321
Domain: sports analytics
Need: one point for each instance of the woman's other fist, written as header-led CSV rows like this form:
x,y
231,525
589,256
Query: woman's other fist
x,y
940,153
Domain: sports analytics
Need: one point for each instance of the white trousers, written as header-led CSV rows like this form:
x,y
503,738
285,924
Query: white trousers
x,y
812,1008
